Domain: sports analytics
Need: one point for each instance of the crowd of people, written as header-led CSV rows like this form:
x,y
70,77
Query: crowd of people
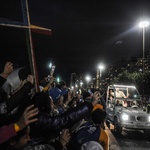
x,y
53,118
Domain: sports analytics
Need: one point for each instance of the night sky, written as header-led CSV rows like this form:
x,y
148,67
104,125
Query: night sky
x,y
84,34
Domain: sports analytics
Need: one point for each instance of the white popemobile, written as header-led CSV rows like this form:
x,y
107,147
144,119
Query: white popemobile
x,y
125,109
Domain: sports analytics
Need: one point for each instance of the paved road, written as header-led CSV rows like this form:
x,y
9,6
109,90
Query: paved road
x,y
114,145
128,140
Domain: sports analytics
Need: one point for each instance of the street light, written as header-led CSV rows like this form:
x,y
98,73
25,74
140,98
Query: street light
x,y
87,78
143,25
101,67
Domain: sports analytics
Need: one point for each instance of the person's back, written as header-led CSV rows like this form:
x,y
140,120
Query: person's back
x,y
98,116
87,132
91,131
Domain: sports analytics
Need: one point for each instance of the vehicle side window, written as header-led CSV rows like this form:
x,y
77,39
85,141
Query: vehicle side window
x,y
111,94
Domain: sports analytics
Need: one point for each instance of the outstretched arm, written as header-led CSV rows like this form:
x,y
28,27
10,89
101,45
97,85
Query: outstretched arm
x,y
7,132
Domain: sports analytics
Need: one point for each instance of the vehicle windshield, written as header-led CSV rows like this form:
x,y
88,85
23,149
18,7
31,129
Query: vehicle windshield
x,y
132,103
129,92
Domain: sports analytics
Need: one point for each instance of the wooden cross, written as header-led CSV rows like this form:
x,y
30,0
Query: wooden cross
x,y
29,28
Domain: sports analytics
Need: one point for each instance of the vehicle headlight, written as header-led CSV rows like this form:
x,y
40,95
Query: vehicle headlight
x,y
125,117
149,118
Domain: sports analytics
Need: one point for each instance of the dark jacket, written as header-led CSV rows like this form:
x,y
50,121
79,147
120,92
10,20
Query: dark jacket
x,y
18,99
3,94
15,99
2,81
48,127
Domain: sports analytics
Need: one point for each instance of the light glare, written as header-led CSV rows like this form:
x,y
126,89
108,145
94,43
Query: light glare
x,y
143,24
88,78
149,118
125,117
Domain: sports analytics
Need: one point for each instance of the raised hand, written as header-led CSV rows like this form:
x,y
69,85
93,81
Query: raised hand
x,y
96,97
27,117
8,68
65,137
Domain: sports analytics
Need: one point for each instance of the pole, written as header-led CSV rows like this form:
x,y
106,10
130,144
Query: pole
x,y
143,55
97,79
143,48
30,46
100,74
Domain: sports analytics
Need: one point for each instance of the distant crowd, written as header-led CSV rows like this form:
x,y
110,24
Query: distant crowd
x,y
53,118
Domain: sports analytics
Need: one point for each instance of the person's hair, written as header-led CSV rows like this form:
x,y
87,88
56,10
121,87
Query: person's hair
x,y
98,116
41,100
86,94
61,84
23,73
43,82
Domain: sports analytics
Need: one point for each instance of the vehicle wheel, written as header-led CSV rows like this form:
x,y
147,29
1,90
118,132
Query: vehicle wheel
x,y
117,127
108,124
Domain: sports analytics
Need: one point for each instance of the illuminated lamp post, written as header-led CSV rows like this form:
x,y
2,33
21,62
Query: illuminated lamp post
x,y
87,78
143,25
101,67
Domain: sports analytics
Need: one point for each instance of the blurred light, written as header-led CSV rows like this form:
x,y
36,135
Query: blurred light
x,y
81,83
118,42
143,24
125,117
58,79
88,78
101,67
50,65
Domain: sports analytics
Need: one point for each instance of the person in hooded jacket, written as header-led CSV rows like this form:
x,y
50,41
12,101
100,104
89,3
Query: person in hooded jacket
x,y
8,68
10,103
